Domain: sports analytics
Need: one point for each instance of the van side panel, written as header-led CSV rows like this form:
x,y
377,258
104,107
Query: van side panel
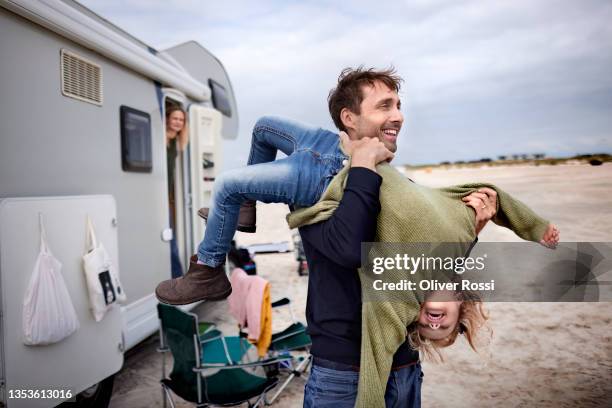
x,y
52,145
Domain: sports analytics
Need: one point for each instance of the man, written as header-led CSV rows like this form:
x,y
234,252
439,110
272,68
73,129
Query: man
x,y
364,104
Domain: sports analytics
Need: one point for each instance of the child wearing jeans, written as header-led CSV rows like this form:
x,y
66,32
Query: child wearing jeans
x,y
313,158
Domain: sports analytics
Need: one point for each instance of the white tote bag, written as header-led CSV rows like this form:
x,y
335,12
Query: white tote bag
x,y
48,313
101,275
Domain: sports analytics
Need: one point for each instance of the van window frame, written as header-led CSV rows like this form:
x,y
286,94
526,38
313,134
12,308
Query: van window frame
x,y
128,163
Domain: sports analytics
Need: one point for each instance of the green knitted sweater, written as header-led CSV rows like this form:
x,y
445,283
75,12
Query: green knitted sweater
x,y
418,214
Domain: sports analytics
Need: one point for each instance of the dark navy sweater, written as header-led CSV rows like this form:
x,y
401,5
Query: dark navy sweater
x,y
333,251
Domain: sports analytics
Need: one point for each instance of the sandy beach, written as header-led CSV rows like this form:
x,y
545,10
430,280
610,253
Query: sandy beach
x,y
541,354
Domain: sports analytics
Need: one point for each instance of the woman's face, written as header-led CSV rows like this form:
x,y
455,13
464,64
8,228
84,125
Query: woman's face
x,y
175,122
438,317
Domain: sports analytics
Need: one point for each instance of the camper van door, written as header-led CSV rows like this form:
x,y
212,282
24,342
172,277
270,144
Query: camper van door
x,y
205,127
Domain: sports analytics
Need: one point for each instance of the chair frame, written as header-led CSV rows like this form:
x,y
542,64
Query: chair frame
x,y
199,368
303,366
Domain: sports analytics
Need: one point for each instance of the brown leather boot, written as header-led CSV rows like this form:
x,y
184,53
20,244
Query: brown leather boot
x,y
246,217
201,282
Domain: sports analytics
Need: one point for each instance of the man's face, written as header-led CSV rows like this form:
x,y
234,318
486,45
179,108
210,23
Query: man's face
x,y
380,115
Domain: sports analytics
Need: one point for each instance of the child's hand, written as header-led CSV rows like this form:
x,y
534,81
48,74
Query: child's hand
x,y
551,237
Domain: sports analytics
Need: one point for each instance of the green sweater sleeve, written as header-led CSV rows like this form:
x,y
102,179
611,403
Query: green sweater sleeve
x,y
511,212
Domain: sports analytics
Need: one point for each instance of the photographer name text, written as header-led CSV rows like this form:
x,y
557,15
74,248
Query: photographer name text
x,y
433,284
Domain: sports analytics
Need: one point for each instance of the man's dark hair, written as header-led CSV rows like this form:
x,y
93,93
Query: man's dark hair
x,y
348,92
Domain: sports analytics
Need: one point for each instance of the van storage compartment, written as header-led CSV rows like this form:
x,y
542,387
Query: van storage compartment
x,y
94,351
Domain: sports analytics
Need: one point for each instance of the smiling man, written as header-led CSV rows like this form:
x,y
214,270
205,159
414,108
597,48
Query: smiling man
x,y
366,104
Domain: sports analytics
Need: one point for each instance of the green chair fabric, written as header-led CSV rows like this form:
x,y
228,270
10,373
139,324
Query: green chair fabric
x,y
234,385
213,352
179,329
227,386
292,338
209,335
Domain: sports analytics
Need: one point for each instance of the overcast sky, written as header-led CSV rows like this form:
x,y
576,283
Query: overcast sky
x,y
482,78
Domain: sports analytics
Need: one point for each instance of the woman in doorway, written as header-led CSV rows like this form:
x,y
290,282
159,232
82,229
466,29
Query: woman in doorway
x,y
176,141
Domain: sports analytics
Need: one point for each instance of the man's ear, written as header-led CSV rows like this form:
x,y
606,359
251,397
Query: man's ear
x,y
348,119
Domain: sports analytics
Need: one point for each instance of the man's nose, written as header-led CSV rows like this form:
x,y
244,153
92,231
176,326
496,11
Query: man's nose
x,y
397,116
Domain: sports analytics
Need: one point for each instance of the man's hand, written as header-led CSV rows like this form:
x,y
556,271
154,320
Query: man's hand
x,y
484,202
366,152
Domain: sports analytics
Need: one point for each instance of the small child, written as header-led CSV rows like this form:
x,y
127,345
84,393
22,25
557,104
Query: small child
x,y
314,157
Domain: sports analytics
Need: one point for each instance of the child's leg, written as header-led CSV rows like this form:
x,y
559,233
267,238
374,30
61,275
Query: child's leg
x,y
271,134
281,181
296,179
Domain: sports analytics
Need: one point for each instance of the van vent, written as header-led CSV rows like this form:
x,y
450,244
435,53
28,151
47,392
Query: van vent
x,y
81,79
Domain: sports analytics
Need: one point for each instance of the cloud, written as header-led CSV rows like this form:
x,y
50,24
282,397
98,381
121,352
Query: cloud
x,y
482,77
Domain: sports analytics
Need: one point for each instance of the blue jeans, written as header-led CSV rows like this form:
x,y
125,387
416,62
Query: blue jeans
x,y
313,158
329,388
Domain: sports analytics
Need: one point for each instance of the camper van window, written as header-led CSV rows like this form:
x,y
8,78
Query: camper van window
x,y
136,152
219,98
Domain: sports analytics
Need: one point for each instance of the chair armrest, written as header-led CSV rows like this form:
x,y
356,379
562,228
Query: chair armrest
x,y
260,363
288,335
281,302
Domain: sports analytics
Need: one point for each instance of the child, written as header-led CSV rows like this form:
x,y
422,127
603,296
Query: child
x,y
314,157
440,321
415,214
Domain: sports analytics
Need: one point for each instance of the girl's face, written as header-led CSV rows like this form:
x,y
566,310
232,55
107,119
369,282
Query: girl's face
x,y
176,121
439,316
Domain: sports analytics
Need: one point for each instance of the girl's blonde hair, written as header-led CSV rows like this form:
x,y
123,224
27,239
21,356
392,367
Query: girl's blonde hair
x,y
472,319
183,135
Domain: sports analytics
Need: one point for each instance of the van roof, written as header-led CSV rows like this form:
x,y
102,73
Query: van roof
x,y
76,22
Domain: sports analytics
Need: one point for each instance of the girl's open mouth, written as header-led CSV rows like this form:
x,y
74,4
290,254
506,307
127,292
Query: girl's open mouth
x,y
434,318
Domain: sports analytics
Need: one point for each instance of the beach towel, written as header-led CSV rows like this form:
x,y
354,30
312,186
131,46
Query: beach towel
x,y
250,305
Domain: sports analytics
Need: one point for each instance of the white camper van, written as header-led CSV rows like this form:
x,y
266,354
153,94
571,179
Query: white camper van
x,y
82,129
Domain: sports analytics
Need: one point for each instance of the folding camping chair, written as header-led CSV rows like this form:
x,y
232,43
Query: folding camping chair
x,y
196,350
294,338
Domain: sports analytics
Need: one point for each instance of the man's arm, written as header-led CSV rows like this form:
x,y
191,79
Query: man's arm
x,y
339,238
